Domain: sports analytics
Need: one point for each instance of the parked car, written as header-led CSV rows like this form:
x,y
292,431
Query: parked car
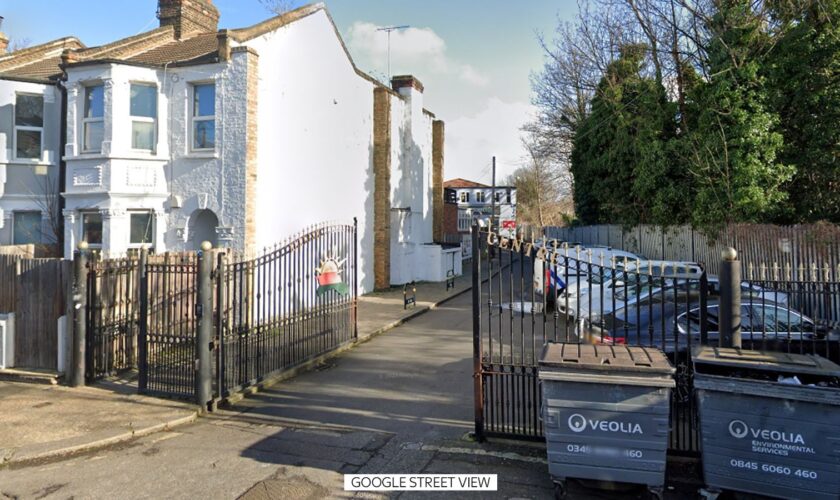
x,y
750,292
760,321
673,325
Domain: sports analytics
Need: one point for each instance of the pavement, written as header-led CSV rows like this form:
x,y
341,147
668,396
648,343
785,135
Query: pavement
x,y
41,421
383,310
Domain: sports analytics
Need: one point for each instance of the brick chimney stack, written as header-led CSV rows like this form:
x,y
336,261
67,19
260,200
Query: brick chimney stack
x,y
4,40
188,16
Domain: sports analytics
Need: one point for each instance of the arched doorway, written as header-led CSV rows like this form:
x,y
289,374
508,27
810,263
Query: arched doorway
x,y
202,227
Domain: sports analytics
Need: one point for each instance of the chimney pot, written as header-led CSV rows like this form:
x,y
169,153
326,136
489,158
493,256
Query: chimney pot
x,y
68,56
403,81
4,42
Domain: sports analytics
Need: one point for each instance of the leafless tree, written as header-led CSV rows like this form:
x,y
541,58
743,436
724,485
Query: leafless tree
x,y
48,201
19,43
543,188
278,6
575,59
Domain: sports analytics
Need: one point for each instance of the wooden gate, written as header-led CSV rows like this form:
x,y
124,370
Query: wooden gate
x,y
34,289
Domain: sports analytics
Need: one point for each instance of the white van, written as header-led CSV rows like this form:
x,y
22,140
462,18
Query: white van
x,y
599,297
585,265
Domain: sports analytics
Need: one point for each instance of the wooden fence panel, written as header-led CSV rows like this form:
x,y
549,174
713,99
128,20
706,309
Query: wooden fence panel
x,y
8,282
40,301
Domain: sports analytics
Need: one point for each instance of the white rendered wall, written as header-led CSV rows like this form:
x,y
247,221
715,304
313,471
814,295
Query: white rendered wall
x,y
411,188
315,149
436,262
23,181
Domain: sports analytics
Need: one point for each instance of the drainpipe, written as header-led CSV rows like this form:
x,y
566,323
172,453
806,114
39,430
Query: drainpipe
x,y
62,165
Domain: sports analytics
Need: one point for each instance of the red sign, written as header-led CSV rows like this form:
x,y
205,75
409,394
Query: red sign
x,y
508,224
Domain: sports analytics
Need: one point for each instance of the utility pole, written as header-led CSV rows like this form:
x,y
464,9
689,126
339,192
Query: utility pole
x,y
389,29
493,197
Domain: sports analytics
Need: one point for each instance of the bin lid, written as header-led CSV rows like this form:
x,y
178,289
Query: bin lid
x,y
605,359
778,362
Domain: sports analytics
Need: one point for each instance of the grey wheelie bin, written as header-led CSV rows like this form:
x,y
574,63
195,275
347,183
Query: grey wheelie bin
x,y
769,422
605,412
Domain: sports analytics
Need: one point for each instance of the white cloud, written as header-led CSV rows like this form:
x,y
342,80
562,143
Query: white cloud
x,y
418,48
472,141
470,75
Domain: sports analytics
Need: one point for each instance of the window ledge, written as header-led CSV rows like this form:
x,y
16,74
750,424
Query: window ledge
x,y
129,156
28,163
201,155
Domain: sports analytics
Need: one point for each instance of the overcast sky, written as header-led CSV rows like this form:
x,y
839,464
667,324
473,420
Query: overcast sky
x,y
473,56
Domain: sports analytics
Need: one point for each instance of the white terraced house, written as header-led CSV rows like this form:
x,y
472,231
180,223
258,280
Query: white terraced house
x,y
241,137
30,144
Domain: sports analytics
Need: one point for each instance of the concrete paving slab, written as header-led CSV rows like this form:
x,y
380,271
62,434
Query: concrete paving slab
x,y
44,421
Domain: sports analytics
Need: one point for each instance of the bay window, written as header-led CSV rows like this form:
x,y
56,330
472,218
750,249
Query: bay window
x,y
93,121
141,228
143,116
92,229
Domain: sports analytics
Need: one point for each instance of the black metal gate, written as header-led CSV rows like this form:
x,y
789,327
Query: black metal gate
x,y
288,306
168,324
277,311
111,316
526,294
270,313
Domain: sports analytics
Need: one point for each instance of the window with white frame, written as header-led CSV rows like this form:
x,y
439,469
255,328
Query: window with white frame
x,y
464,220
26,227
93,120
143,116
204,116
92,229
142,225
479,196
29,126
464,197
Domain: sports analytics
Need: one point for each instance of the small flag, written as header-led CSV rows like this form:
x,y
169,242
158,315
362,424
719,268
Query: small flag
x,y
556,281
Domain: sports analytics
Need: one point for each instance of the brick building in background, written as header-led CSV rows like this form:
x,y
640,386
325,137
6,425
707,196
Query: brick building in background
x,y
466,200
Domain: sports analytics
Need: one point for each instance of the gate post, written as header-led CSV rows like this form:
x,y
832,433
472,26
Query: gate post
x,y
204,337
355,278
704,312
478,380
730,299
77,378
221,301
143,347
